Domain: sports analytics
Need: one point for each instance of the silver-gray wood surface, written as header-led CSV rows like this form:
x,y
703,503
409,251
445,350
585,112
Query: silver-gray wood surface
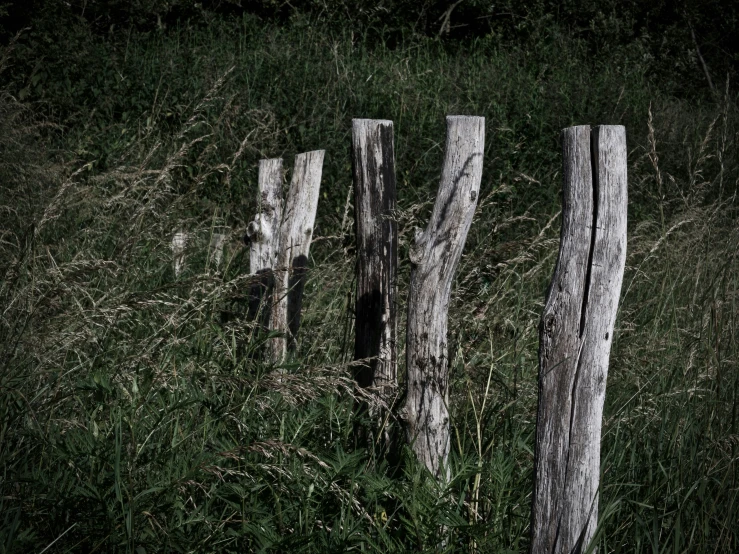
x,y
296,233
264,239
434,257
576,332
264,231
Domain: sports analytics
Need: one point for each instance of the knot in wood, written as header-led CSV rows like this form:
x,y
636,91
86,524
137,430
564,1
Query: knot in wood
x,y
253,230
416,251
415,254
550,322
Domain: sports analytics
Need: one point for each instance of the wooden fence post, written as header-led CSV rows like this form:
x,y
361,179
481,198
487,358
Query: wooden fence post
x,y
575,337
217,245
377,262
179,243
434,258
296,233
264,235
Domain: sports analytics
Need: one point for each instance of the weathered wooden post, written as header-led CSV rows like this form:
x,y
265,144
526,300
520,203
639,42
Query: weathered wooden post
x,y
434,258
217,245
296,232
263,235
179,243
373,158
575,337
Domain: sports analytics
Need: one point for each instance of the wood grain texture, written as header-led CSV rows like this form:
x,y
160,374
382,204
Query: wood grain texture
x,y
263,234
434,257
373,164
575,334
264,231
296,233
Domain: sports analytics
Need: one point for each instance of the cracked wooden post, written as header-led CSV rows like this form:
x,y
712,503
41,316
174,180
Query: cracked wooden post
x,y
575,337
263,235
296,232
434,258
377,262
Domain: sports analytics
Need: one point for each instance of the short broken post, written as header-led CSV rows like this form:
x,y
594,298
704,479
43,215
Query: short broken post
x,y
179,244
217,246
575,336
296,233
373,158
263,235
434,258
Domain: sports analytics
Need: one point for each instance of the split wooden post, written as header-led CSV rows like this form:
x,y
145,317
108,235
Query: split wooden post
x,y
575,335
263,235
296,232
373,158
434,258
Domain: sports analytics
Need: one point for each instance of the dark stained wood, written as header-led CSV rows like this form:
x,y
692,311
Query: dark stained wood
x,y
373,158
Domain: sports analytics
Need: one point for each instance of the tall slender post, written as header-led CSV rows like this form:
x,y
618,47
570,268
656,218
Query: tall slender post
x,y
263,235
434,258
373,158
296,233
575,335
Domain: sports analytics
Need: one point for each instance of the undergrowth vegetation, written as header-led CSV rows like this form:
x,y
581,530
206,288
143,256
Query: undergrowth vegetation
x,y
136,413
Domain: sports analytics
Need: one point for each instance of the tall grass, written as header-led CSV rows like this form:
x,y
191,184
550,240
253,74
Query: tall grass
x,y
137,415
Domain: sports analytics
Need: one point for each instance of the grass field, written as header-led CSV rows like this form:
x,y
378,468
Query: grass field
x,y
134,417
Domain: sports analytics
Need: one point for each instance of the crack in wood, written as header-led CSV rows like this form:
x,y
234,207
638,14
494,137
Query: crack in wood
x,y
580,310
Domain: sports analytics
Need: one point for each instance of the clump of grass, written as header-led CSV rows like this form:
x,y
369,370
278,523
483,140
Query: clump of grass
x,y
671,431
136,418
